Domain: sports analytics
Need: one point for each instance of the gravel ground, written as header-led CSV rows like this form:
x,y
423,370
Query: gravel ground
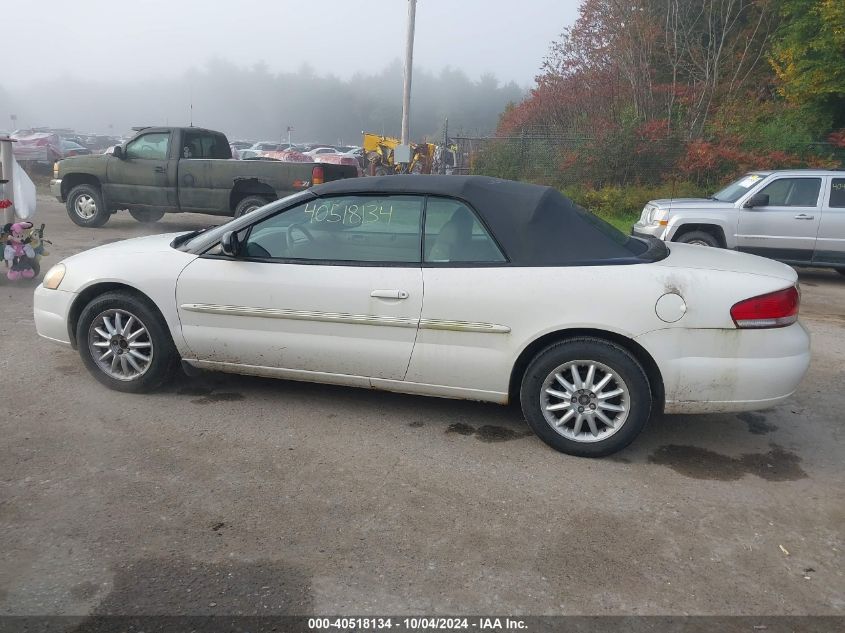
x,y
225,495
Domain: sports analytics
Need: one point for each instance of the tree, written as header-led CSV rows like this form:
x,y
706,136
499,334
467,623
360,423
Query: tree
x,y
808,54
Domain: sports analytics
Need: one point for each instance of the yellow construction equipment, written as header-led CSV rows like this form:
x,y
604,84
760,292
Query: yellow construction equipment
x,y
378,151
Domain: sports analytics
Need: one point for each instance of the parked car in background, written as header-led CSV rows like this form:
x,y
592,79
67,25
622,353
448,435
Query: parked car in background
x,y
322,150
69,148
796,216
175,169
239,145
452,286
266,146
289,156
43,148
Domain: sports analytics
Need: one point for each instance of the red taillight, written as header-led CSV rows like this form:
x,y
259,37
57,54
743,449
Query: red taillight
x,y
775,309
317,175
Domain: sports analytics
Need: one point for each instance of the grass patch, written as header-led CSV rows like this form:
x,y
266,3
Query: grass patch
x,y
623,221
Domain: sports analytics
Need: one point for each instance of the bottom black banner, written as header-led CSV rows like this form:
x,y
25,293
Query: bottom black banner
x,y
495,624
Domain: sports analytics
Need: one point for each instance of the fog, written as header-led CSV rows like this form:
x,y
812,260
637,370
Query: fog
x,y
252,68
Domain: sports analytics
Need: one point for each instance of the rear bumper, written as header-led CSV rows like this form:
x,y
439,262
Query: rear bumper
x,y
51,309
709,371
56,189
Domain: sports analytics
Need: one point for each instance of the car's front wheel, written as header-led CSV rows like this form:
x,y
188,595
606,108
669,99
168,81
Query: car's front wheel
x,y
125,343
699,238
586,396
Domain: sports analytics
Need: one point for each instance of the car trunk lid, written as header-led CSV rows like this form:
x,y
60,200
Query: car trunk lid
x,y
702,257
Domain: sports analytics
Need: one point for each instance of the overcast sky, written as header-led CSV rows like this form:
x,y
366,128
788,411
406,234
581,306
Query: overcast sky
x,y
121,39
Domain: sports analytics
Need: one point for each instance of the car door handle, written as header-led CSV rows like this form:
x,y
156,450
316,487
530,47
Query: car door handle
x,y
160,170
803,216
389,294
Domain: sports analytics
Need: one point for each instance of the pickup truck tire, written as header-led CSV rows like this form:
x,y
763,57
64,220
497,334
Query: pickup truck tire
x,y
85,206
146,216
699,238
250,204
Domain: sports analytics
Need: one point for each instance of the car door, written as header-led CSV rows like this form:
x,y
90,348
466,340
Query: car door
x,y
331,287
785,228
463,344
830,245
196,171
145,176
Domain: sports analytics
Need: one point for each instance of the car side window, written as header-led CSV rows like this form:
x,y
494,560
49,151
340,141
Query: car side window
x,y
453,233
149,146
342,229
837,193
793,192
205,145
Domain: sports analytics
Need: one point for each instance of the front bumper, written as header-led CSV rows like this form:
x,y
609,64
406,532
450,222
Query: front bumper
x,y
56,189
649,230
51,309
720,370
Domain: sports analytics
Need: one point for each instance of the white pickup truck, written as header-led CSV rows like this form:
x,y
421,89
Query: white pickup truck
x,y
796,216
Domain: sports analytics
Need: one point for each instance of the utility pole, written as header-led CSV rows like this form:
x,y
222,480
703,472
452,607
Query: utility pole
x,y
409,63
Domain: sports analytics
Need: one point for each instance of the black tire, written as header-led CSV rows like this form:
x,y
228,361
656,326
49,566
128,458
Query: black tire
x,y
250,204
841,271
146,216
591,350
701,238
163,351
76,202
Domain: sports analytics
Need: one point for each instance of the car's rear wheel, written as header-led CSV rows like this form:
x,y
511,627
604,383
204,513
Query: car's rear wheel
x,y
586,396
146,216
249,204
125,343
85,206
699,238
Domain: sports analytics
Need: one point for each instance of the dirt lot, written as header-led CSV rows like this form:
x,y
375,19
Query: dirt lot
x,y
231,495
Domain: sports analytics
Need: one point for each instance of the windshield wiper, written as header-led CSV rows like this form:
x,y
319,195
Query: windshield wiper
x,y
181,239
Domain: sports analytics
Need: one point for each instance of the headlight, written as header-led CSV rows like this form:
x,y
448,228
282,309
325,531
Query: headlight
x,y
660,216
54,277
56,169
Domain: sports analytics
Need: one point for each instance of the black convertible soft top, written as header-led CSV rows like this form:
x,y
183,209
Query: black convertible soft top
x,y
535,225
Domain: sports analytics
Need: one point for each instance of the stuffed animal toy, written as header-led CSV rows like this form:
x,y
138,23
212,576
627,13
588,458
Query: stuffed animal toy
x,y
19,255
36,241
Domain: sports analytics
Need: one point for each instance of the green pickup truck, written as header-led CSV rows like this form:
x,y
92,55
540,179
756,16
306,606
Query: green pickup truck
x,y
178,169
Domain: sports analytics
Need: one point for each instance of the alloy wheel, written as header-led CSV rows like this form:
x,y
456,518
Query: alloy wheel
x,y
85,206
120,344
585,401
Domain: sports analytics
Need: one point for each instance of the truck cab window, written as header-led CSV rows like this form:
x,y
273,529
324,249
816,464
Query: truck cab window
x,y
205,145
149,146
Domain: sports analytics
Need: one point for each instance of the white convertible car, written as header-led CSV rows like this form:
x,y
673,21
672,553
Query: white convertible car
x,y
460,287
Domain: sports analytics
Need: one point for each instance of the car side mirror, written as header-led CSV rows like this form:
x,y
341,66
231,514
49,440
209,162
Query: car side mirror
x,y
229,244
117,152
757,200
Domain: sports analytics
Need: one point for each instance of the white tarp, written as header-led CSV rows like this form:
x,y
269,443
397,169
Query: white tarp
x,y
24,194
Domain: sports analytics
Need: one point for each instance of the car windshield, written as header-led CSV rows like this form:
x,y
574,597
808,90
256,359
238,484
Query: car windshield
x,y
737,189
